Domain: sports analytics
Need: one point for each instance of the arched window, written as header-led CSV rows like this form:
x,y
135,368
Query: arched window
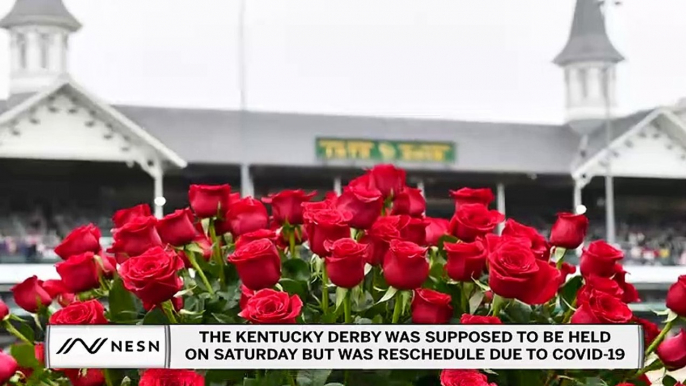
x,y
21,49
44,50
583,82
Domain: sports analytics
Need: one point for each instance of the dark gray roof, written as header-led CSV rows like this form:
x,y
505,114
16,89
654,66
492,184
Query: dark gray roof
x,y
3,106
597,140
588,40
43,12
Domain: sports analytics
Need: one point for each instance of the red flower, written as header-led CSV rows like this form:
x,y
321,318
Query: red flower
x,y
599,259
436,228
378,238
89,377
30,295
516,273
258,264
483,196
597,283
246,294
168,377
134,238
287,205
388,179
672,351
8,367
409,201
204,243
569,230
123,216
153,276
272,307
466,261
539,245
82,239
326,225
474,220
476,319
676,296
405,266
464,378
80,273
223,225
364,204
4,310
345,265
53,287
247,215
415,230
177,228
650,330
630,294
602,308
256,235
209,200
431,307
80,313
566,269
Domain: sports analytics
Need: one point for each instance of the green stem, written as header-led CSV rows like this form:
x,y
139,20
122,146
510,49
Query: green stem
x,y
562,257
569,313
199,272
325,291
168,309
291,242
659,338
496,305
10,328
291,380
217,253
346,376
108,377
397,310
347,306
465,297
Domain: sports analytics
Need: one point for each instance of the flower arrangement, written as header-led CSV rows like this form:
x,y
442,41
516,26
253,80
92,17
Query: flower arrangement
x,y
368,255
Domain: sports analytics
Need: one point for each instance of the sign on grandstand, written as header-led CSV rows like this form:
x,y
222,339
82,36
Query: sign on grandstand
x,y
381,150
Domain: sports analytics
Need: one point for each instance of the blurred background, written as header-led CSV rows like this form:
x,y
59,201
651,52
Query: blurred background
x,y
566,105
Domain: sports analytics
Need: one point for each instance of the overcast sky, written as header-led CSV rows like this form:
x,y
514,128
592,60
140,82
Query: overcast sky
x,y
462,59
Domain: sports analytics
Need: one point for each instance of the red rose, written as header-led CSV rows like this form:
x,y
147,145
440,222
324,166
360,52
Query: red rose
x,y
168,377
66,299
431,307
204,243
177,302
405,266
676,296
566,269
409,201
256,235
209,200
599,259
326,225
153,276
474,220
247,215
435,229
123,216
8,367
569,230
363,203
345,264
415,230
4,310
464,378
80,313
89,377
30,295
380,235
602,308
630,294
53,287
134,238
287,205
82,239
246,294
388,179
223,225
672,351
483,196
477,319
310,208
539,245
272,307
177,228
516,273
597,283
466,261
79,273
650,330
258,264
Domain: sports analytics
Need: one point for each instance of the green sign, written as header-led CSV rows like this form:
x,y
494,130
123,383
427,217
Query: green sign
x,y
381,150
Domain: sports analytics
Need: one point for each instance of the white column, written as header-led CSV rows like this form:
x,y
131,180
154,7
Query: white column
x,y
33,50
578,207
500,194
159,199
337,185
247,188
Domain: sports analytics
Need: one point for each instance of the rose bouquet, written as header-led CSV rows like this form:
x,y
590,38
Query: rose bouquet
x,y
368,255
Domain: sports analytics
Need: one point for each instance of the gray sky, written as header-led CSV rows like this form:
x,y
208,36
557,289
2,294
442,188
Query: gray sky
x,y
462,59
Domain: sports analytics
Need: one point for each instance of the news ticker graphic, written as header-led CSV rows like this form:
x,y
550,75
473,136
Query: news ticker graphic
x,y
367,346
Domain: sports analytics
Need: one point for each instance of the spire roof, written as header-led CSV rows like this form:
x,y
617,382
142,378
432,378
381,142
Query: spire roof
x,y
42,12
588,40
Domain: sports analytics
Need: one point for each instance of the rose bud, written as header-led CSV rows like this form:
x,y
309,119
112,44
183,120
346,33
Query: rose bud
x,y
435,229
82,239
388,179
569,230
599,259
79,273
153,276
30,295
466,261
246,294
431,307
169,377
209,200
415,230
247,215
630,294
66,299
405,266
256,235
135,237
223,225
53,287
482,196
123,216
272,307
80,313
379,236
258,264
326,225
516,273
477,319
177,228
8,367
287,205
345,264
89,377
474,220
539,245
4,311
364,204
597,283
464,378
601,308
676,297
409,201
672,351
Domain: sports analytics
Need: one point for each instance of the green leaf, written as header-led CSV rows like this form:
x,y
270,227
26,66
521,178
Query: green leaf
x,y
155,317
296,269
334,384
481,285
25,355
388,295
341,294
224,375
223,319
294,287
569,290
121,304
475,301
194,248
671,316
24,328
313,377
250,382
519,312
446,239
359,320
669,381
367,269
